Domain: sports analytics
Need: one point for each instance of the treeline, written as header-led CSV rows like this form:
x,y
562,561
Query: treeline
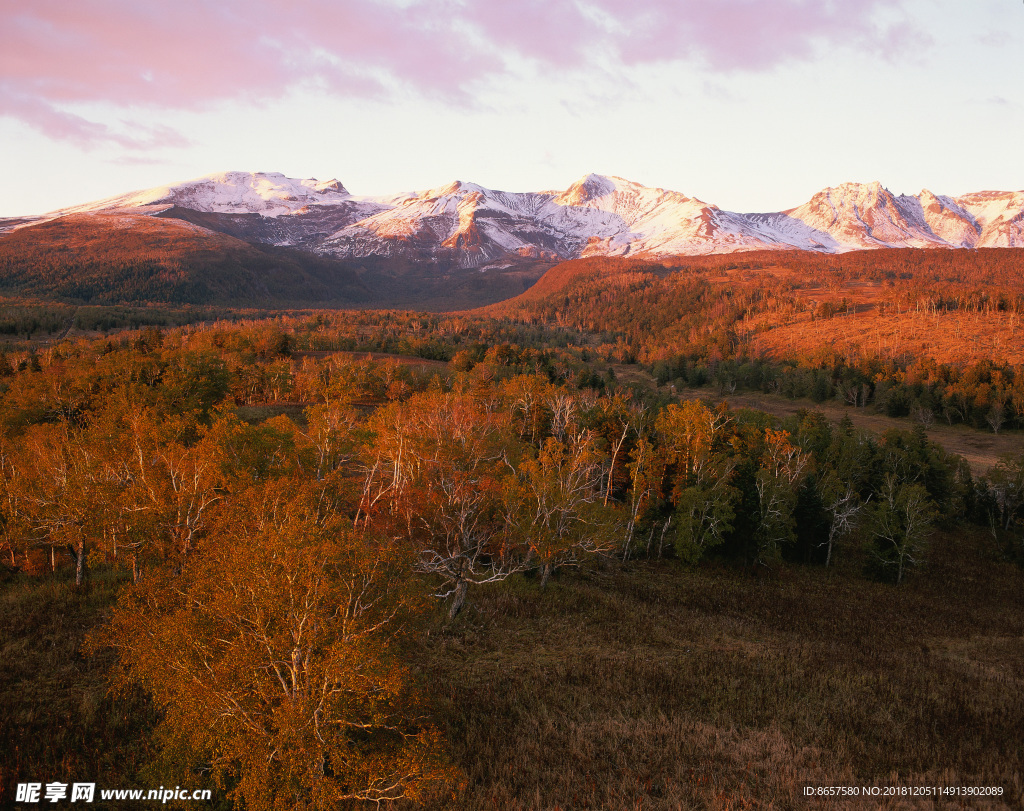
x,y
110,318
24,320
984,395
739,477
28,320
970,278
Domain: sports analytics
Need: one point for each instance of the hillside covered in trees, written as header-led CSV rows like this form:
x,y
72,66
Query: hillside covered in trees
x,y
133,259
94,259
930,334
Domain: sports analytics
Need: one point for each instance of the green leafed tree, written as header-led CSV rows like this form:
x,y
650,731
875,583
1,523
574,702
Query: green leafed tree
x,y
899,526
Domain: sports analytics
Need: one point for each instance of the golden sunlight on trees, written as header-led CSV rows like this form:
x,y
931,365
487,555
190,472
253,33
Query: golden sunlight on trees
x,y
435,475
275,656
68,491
170,486
693,440
646,472
279,506
555,506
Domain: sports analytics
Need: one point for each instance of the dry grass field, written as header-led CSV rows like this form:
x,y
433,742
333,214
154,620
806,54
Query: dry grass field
x,y
640,686
657,687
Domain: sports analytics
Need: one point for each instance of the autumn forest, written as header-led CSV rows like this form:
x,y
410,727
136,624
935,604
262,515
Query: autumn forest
x,y
695,533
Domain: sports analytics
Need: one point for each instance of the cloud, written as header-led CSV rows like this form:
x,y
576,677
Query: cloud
x,y
725,35
995,39
150,58
63,125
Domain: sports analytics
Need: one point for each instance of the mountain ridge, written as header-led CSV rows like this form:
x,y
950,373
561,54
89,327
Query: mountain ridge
x,y
467,225
455,243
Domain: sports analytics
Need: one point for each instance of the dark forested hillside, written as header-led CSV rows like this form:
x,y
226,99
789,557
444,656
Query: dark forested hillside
x,y
131,259
102,259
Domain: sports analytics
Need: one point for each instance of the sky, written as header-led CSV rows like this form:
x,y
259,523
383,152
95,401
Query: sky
x,y
753,105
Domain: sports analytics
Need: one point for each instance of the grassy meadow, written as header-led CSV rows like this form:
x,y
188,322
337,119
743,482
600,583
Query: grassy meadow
x,y
650,686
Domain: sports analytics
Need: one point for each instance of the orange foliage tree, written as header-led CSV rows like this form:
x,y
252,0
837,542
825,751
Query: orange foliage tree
x,y
693,441
556,504
275,656
435,474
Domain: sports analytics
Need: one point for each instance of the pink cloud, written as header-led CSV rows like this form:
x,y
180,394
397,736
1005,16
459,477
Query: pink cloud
x,y
191,54
61,124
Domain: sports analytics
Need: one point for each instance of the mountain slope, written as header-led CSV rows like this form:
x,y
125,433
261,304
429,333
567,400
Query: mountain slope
x,y
268,194
999,215
117,258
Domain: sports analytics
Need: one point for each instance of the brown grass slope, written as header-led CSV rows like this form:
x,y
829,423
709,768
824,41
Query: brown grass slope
x,y
660,688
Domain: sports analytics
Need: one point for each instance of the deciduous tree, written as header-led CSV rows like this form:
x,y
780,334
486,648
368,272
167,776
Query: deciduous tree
x,y
435,474
275,656
556,503
899,525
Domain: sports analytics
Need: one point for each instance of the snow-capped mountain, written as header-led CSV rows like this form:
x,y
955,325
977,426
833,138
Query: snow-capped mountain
x,y
859,215
263,207
999,216
636,219
599,215
269,194
466,225
460,222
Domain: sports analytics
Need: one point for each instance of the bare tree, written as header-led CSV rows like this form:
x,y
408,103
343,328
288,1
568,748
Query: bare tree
x,y
996,416
922,416
844,508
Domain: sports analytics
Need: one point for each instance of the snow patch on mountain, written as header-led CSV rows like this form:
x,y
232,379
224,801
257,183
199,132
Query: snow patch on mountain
x,y
269,194
1000,216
